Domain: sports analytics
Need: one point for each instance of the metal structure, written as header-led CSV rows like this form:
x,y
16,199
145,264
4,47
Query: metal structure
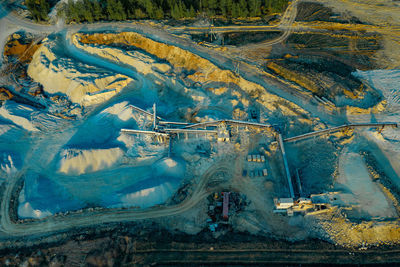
x,y
159,128
143,111
190,131
212,32
231,122
154,116
174,123
225,205
130,131
339,128
299,183
172,129
289,178
237,69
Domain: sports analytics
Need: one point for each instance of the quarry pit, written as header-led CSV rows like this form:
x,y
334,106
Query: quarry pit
x,y
286,131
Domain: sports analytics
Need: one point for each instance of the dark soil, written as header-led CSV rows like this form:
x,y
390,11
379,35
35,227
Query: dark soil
x,y
358,54
135,245
308,11
328,61
236,38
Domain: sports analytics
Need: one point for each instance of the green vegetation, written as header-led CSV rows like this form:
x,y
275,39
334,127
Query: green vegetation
x,y
94,10
38,9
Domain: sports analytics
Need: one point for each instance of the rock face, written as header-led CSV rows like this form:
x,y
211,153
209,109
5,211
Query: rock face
x,y
198,69
81,83
141,62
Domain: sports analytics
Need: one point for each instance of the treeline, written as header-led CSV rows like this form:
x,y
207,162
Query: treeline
x,y
95,10
38,9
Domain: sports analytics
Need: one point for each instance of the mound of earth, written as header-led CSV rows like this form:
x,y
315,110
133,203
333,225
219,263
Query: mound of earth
x,y
81,83
82,161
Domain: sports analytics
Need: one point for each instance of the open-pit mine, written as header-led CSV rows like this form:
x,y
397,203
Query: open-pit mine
x,y
203,140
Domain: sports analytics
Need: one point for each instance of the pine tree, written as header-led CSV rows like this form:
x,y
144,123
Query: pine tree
x,y
183,12
139,14
97,11
88,11
121,15
268,6
94,10
212,5
192,12
229,7
159,13
235,10
223,7
80,11
204,5
72,13
44,9
38,9
243,11
175,14
149,8
255,8
115,10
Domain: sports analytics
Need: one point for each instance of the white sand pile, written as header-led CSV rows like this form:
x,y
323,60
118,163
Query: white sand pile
x,y
82,83
167,174
27,118
25,210
122,110
143,147
18,114
75,161
148,197
7,165
125,113
169,167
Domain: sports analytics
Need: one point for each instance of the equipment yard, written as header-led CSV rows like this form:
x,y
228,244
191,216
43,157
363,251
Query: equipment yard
x,y
202,141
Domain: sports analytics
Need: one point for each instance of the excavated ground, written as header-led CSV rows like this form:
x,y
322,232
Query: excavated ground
x,y
195,70
329,57
21,47
236,38
164,62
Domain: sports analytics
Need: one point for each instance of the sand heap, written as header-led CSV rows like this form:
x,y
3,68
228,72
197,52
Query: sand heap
x,y
75,161
18,114
83,84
